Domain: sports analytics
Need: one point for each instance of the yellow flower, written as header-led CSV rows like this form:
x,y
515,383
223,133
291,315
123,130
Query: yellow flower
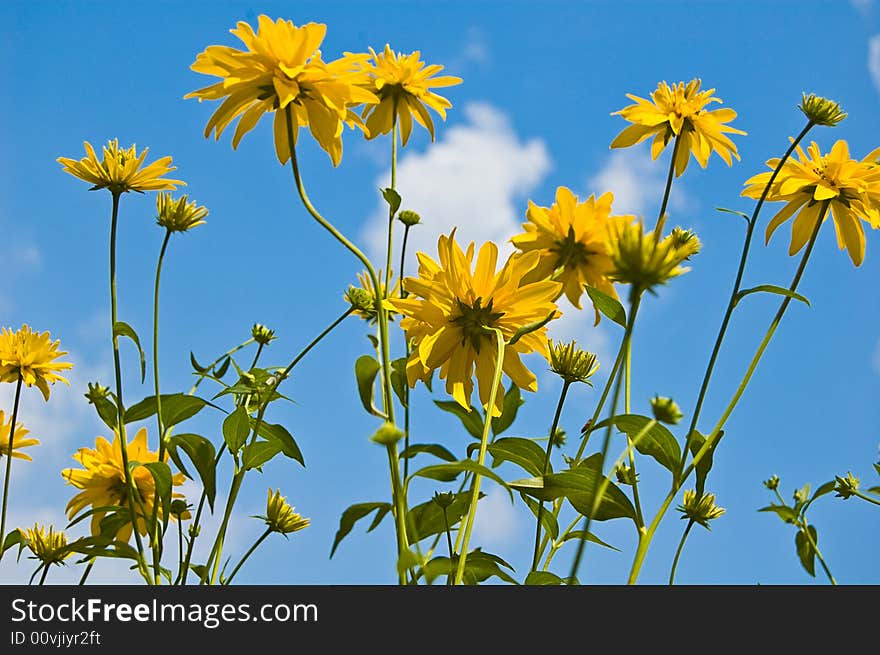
x,y
280,516
18,438
644,260
852,189
32,356
178,215
571,363
679,110
280,69
450,307
119,170
403,84
102,481
364,298
700,509
571,237
48,546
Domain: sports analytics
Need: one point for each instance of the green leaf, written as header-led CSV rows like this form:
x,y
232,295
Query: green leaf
x,y
110,509
366,368
542,578
431,448
351,516
770,288
122,329
733,211
201,453
471,420
513,400
531,327
426,520
176,408
826,488
220,371
784,512
392,198
522,452
658,442
12,539
607,305
695,443
107,411
449,472
279,434
578,485
161,473
483,566
548,520
256,454
805,551
398,380
381,513
874,490
579,534
195,364
236,428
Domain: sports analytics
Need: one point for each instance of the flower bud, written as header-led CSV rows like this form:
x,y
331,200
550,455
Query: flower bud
x,y
625,474
409,218
846,487
444,500
97,392
178,215
700,509
280,516
558,438
665,410
571,363
821,111
387,435
773,483
262,335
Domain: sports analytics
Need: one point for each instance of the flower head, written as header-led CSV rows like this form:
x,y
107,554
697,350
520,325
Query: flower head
x,y
102,480
262,335
409,218
645,261
845,487
97,392
403,84
571,237
699,509
364,299
680,110
455,304
31,355
821,111
48,546
806,182
388,434
665,410
18,438
178,215
772,483
280,516
121,170
281,71
571,363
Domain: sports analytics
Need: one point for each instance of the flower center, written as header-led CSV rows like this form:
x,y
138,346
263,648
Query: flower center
x,y
570,252
474,321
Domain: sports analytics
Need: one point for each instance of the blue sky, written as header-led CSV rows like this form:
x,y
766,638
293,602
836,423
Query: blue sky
x,y
540,81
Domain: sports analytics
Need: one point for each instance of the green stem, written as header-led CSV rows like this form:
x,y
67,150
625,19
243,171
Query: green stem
x,y
624,346
449,545
88,570
821,559
536,555
257,355
713,436
661,216
117,368
46,572
484,444
405,358
731,303
390,247
627,370
217,549
859,494
557,544
179,546
248,554
678,550
8,454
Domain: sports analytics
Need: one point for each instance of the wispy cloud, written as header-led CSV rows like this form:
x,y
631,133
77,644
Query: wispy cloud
x,y
496,522
636,181
864,7
874,59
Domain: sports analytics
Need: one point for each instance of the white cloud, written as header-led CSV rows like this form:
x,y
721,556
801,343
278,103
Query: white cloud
x,y
18,257
496,522
476,177
475,48
874,59
636,181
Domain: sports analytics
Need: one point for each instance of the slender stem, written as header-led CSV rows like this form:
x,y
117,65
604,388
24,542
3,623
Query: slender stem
x,y
449,545
405,358
179,545
661,215
627,371
821,559
257,355
399,512
716,431
217,549
390,247
117,368
678,550
731,303
597,498
557,544
536,555
88,570
865,497
484,444
228,353
34,574
248,554
46,572
8,454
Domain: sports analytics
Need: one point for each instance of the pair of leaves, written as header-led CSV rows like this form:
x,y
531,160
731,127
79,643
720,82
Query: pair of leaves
x,y
354,514
650,438
176,408
525,453
479,567
202,454
450,471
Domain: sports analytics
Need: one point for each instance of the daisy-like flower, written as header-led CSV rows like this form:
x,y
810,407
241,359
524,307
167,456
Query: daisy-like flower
x,y
680,110
47,545
102,480
805,182
280,516
282,71
403,84
178,215
32,356
644,260
121,169
571,363
571,238
18,438
451,305
364,299
700,509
